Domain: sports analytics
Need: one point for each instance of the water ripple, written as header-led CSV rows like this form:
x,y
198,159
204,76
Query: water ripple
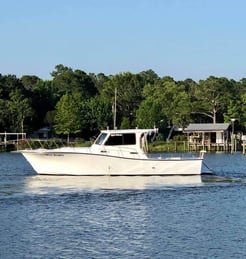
x,y
63,217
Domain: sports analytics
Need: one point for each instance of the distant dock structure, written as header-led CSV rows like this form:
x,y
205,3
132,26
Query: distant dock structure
x,y
11,139
244,144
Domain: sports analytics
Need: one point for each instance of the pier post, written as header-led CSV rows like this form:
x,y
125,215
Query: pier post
x,y
5,139
233,143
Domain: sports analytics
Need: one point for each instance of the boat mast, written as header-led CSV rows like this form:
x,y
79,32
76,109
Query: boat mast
x,y
114,110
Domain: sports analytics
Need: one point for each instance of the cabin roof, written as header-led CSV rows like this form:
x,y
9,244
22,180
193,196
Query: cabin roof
x,y
207,127
122,131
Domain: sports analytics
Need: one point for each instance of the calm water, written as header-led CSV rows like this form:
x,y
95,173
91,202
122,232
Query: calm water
x,y
123,217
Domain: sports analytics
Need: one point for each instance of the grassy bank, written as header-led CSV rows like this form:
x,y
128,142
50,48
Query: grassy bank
x,y
169,146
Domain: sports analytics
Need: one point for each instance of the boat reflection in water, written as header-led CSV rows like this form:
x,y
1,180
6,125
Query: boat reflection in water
x,y
51,184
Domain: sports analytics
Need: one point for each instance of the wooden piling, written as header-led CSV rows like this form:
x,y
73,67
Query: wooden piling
x,y
244,147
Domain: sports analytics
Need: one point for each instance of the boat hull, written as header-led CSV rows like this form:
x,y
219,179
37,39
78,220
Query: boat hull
x,y
56,163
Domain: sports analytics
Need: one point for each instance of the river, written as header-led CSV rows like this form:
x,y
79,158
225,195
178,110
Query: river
x,y
123,217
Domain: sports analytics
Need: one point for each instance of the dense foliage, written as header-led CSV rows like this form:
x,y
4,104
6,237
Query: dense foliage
x,y
79,104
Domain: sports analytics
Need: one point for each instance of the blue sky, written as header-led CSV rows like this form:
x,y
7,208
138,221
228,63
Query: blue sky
x,y
179,38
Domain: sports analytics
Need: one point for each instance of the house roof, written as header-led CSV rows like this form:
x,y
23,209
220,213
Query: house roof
x,y
207,127
43,130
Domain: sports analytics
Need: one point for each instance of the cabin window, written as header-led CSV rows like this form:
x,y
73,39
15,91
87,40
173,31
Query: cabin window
x,y
121,139
129,139
100,139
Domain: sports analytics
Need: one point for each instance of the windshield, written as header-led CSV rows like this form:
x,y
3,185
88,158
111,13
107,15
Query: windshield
x,y
100,139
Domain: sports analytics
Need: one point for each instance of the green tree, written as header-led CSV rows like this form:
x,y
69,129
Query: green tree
x,y
243,111
99,80
66,80
129,95
50,118
67,119
19,108
175,102
148,77
8,84
43,99
148,114
166,103
3,115
29,82
125,124
100,113
212,97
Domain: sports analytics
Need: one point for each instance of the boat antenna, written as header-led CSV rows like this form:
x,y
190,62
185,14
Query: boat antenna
x,y
114,110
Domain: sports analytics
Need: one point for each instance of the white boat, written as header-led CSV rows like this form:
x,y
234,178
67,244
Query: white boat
x,y
114,153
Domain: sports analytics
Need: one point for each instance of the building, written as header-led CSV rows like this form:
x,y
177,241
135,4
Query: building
x,y
43,133
208,136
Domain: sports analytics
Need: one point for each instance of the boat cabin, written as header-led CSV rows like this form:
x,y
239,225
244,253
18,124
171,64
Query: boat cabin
x,y
132,141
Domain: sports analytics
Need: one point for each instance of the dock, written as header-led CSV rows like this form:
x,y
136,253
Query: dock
x,y
8,140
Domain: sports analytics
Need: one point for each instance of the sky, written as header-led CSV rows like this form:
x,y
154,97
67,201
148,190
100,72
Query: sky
x,y
178,38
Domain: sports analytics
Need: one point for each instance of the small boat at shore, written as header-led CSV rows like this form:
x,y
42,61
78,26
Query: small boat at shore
x,y
114,153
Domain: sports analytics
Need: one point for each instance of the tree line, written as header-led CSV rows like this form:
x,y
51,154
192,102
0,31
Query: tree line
x,y
74,103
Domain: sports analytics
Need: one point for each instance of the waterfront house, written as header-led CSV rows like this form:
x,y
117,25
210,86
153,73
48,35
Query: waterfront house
x,y
209,136
43,133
